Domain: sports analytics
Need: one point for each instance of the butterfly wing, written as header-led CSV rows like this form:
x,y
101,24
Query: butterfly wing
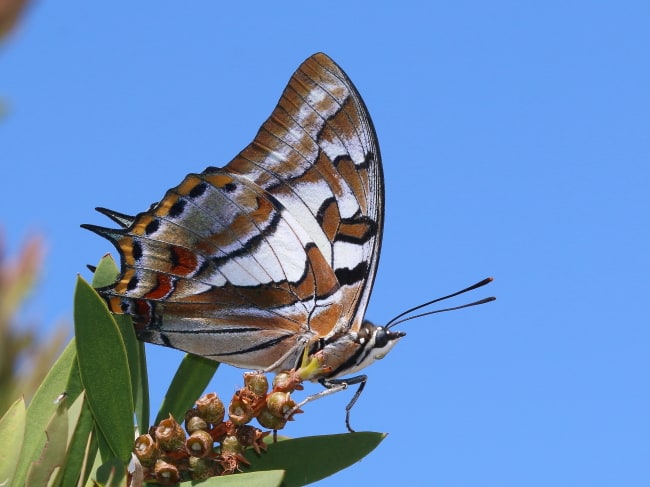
x,y
318,155
248,263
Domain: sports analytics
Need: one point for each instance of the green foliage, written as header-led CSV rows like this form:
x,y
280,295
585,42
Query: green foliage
x,y
12,433
79,427
307,460
104,368
24,359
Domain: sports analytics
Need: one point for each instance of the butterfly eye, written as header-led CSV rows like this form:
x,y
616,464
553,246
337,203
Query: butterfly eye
x,y
381,337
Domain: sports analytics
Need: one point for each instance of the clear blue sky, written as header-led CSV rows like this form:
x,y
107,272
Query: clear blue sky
x,y
516,143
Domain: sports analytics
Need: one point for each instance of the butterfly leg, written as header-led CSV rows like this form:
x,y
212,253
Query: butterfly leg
x,y
332,386
340,384
330,390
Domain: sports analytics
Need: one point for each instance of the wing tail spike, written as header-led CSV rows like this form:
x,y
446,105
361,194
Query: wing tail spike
x,y
110,234
122,219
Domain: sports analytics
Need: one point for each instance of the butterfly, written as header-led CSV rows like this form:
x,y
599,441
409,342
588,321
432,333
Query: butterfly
x,y
271,258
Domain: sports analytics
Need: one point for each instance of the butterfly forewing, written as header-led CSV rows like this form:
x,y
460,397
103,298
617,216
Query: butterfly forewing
x,y
318,154
248,263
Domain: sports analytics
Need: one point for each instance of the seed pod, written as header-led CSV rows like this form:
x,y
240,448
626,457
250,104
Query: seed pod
x,y
268,420
199,444
240,411
203,468
279,403
146,450
246,434
196,423
166,473
169,435
231,445
211,408
229,463
191,423
256,382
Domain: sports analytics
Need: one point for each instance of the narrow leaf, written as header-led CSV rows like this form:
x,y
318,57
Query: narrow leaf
x,y
112,473
12,434
105,274
59,379
267,478
142,404
53,454
131,343
306,460
78,445
104,369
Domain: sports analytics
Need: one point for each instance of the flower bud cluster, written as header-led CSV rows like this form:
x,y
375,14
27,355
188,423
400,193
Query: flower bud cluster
x,y
216,443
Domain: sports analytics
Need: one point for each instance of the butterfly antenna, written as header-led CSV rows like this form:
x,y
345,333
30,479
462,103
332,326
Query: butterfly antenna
x,y
400,317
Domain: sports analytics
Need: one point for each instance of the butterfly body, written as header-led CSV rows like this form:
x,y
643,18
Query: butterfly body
x,y
274,255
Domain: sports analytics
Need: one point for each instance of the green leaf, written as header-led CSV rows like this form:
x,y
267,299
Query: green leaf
x,y
81,448
53,454
142,404
61,378
12,434
105,450
106,272
309,459
132,345
112,473
97,462
267,478
191,379
104,369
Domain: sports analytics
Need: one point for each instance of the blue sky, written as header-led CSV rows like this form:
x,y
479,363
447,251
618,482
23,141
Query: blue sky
x,y
515,139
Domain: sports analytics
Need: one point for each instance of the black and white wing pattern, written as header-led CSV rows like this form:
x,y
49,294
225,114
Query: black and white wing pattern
x,y
250,263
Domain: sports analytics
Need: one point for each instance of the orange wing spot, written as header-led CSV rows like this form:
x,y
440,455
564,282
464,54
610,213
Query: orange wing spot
x,y
238,165
350,173
331,218
126,248
263,212
325,282
188,184
185,261
267,298
162,210
218,180
306,287
357,231
115,305
325,319
121,287
210,245
164,285
328,172
142,222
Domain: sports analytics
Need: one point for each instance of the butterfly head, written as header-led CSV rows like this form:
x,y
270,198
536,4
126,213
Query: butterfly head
x,y
352,351
374,343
